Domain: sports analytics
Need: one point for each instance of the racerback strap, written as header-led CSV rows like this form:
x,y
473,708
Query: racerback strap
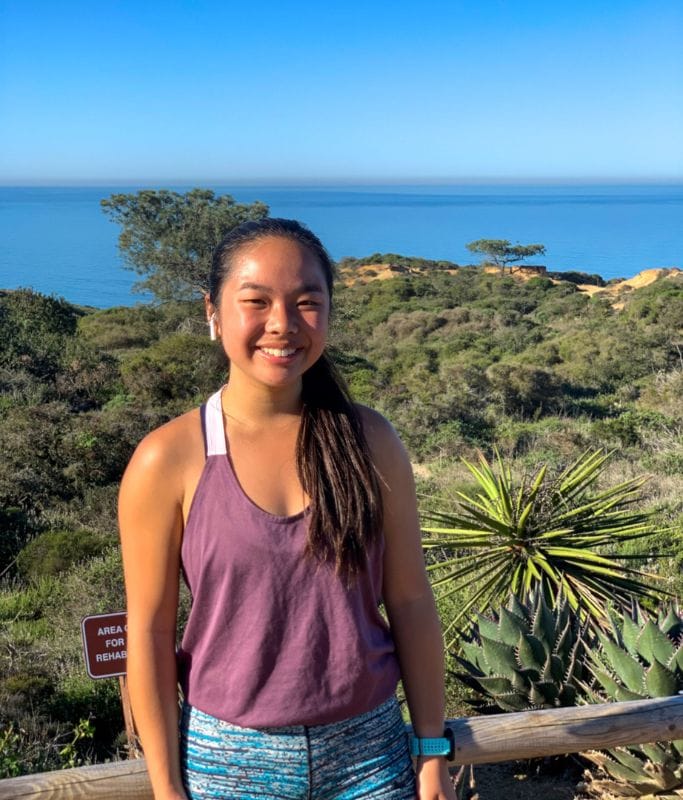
x,y
213,424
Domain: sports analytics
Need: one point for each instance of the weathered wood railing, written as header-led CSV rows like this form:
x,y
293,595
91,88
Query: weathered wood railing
x,y
479,740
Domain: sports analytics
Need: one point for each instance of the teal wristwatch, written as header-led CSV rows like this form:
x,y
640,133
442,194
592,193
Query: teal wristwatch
x,y
441,746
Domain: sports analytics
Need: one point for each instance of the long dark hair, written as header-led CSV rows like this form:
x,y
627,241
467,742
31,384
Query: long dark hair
x,y
332,454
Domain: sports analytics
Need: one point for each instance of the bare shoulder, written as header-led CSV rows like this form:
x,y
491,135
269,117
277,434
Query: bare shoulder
x,y
170,451
388,451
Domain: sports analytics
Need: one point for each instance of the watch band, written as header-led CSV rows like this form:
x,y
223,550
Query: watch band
x,y
440,746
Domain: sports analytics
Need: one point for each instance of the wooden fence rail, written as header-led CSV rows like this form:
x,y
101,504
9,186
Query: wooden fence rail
x,y
479,740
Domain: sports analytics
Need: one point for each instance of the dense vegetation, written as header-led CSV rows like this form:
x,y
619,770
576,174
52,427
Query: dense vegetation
x,y
459,360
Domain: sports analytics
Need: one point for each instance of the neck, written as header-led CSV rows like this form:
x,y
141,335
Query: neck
x,y
257,404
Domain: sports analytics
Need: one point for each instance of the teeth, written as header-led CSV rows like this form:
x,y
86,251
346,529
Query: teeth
x,y
279,353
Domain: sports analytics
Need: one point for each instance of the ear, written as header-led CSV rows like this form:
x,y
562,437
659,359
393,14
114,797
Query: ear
x,y
211,318
209,307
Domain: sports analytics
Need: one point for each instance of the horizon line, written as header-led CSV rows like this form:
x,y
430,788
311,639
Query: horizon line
x,y
346,181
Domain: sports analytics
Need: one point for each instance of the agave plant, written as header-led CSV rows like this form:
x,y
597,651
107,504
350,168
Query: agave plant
x,y
547,532
638,658
528,656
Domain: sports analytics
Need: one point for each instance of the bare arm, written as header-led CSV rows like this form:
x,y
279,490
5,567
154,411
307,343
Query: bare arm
x,y
150,518
409,602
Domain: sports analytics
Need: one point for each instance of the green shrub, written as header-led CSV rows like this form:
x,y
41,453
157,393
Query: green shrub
x,y
34,688
31,467
87,377
26,602
524,391
121,327
99,445
54,552
33,330
181,366
630,428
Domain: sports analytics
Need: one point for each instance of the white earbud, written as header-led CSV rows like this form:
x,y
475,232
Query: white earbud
x,y
212,328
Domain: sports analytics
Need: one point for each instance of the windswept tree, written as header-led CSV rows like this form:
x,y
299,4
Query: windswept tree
x,y
501,253
168,237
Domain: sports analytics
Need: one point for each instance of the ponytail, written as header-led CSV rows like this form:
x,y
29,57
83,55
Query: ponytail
x,y
337,473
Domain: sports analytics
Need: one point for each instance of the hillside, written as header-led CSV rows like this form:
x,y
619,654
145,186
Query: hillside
x,y
354,271
460,359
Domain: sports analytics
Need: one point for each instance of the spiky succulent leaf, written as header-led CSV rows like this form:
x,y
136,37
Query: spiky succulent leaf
x,y
653,644
530,652
518,608
565,641
611,790
530,675
568,695
627,668
521,682
496,685
624,695
487,627
544,693
591,694
660,681
473,653
676,660
499,657
471,683
564,614
655,752
621,673
664,777
615,624
543,626
512,702
608,789
608,683
623,756
637,776
574,671
510,627
554,669
629,634
671,624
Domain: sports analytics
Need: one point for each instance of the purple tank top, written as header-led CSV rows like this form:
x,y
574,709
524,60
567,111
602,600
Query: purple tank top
x,y
273,637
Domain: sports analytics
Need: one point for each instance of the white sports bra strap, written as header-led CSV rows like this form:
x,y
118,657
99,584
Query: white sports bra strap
x,y
215,433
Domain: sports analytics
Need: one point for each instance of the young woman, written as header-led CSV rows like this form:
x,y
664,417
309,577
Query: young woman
x,y
291,513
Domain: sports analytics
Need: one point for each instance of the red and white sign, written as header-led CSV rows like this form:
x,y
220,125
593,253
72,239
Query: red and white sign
x,y
104,644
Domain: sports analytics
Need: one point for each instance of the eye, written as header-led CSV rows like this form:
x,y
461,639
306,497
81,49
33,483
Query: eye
x,y
255,301
308,302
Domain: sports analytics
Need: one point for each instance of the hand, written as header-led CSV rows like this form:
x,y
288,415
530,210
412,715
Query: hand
x,y
433,780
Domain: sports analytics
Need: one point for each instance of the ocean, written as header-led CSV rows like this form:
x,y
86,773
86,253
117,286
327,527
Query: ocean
x,y
58,241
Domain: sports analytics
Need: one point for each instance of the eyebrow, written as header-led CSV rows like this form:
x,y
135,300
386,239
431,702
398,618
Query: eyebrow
x,y
306,287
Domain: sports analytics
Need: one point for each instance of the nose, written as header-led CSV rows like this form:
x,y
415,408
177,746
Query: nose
x,y
282,319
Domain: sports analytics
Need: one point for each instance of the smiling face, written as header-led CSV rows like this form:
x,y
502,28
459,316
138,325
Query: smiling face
x,y
272,313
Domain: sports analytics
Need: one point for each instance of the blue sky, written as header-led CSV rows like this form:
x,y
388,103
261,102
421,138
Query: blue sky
x,y
351,91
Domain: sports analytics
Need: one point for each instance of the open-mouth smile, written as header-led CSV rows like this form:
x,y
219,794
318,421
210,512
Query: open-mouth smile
x,y
281,354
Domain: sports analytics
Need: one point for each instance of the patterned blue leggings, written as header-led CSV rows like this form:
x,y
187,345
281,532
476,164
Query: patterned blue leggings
x,y
362,757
